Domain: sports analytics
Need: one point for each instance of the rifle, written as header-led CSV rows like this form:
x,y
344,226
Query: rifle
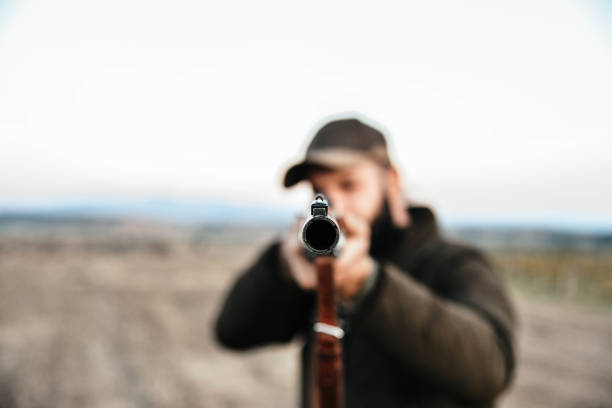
x,y
321,236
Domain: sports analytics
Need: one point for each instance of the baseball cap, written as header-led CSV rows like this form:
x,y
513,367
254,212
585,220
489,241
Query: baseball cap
x,y
339,144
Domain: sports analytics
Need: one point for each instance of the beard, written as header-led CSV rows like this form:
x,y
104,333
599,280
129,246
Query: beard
x,y
385,235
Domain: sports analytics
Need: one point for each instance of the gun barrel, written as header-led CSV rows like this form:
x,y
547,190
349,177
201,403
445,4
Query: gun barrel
x,y
320,233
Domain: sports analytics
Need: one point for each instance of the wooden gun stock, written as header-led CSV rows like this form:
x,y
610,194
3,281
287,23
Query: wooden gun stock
x,y
328,392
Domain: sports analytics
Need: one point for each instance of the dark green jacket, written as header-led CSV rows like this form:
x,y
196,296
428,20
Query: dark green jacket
x,y
436,330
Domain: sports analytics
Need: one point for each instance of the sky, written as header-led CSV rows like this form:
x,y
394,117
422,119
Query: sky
x,y
491,108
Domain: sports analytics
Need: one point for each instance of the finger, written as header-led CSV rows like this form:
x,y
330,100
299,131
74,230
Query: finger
x,y
344,274
293,232
350,279
305,273
307,280
297,224
352,250
350,256
354,225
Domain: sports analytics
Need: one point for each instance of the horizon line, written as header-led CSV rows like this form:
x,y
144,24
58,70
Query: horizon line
x,y
194,210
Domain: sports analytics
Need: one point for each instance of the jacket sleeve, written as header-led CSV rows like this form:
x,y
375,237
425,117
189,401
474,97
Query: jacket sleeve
x,y
263,306
460,342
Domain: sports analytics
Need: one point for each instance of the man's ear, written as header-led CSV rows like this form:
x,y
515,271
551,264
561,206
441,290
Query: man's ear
x,y
395,197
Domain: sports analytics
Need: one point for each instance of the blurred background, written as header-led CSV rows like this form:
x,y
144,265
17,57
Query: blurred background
x,y
142,146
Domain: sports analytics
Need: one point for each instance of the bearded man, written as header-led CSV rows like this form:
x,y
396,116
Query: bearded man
x,y
427,322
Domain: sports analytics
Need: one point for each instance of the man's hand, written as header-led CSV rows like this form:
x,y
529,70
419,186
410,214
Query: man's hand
x,y
352,267
354,264
296,265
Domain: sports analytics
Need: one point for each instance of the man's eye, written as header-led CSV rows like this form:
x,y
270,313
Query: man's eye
x,y
347,185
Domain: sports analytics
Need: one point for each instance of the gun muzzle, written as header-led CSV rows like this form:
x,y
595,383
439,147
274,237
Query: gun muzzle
x,y
320,234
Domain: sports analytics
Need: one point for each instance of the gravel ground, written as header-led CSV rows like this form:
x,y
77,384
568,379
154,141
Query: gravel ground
x,y
130,326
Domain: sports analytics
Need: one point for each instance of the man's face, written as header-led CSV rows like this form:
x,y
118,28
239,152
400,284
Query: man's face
x,y
358,189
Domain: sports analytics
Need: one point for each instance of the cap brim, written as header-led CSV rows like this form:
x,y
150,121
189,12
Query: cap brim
x,y
295,174
329,158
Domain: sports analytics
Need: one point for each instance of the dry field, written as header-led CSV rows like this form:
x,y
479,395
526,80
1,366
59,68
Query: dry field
x,y
120,316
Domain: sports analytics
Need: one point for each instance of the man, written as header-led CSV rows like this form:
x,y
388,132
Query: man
x,y
427,323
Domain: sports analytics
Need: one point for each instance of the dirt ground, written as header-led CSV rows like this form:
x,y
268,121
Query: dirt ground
x,y
95,326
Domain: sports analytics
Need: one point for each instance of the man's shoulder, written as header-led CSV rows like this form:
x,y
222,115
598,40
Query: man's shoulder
x,y
423,220
422,214
426,231
431,257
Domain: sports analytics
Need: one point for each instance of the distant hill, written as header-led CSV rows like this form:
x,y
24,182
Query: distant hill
x,y
524,238
486,233
179,211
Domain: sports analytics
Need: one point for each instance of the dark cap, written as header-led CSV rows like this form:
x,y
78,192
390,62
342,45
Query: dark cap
x,y
339,144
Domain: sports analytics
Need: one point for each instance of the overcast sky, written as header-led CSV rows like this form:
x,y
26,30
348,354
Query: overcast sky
x,y
491,107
